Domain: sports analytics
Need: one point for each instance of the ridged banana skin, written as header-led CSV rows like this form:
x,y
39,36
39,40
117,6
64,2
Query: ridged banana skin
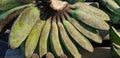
x,y
117,1
67,42
77,36
33,38
112,6
89,34
91,10
4,15
22,26
44,38
115,51
54,40
89,20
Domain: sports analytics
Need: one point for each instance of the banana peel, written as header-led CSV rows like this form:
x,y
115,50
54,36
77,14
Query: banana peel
x,y
24,23
114,36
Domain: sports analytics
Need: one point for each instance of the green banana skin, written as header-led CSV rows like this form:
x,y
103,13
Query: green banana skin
x,y
24,23
67,42
115,50
54,40
77,36
91,10
92,35
89,19
33,38
117,1
114,36
4,15
114,18
111,5
44,38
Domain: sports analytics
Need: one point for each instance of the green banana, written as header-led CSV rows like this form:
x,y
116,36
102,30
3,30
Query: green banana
x,y
24,23
9,18
78,37
89,34
54,39
89,19
114,36
67,42
9,4
4,15
114,18
117,1
91,10
33,38
111,5
44,38
49,55
115,50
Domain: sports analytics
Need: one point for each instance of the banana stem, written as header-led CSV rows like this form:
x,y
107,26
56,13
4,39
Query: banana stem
x,y
58,5
66,15
63,17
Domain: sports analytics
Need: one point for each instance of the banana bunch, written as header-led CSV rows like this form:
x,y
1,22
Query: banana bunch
x,y
112,8
38,28
115,39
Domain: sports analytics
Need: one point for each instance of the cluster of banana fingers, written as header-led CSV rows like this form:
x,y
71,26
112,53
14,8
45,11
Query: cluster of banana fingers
x,y
60,32
112,8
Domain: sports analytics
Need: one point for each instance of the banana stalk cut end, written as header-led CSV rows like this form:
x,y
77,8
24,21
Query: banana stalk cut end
x,y
58,5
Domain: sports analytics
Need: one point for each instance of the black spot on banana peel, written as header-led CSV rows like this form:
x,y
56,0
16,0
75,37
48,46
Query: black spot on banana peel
x,y
22,26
